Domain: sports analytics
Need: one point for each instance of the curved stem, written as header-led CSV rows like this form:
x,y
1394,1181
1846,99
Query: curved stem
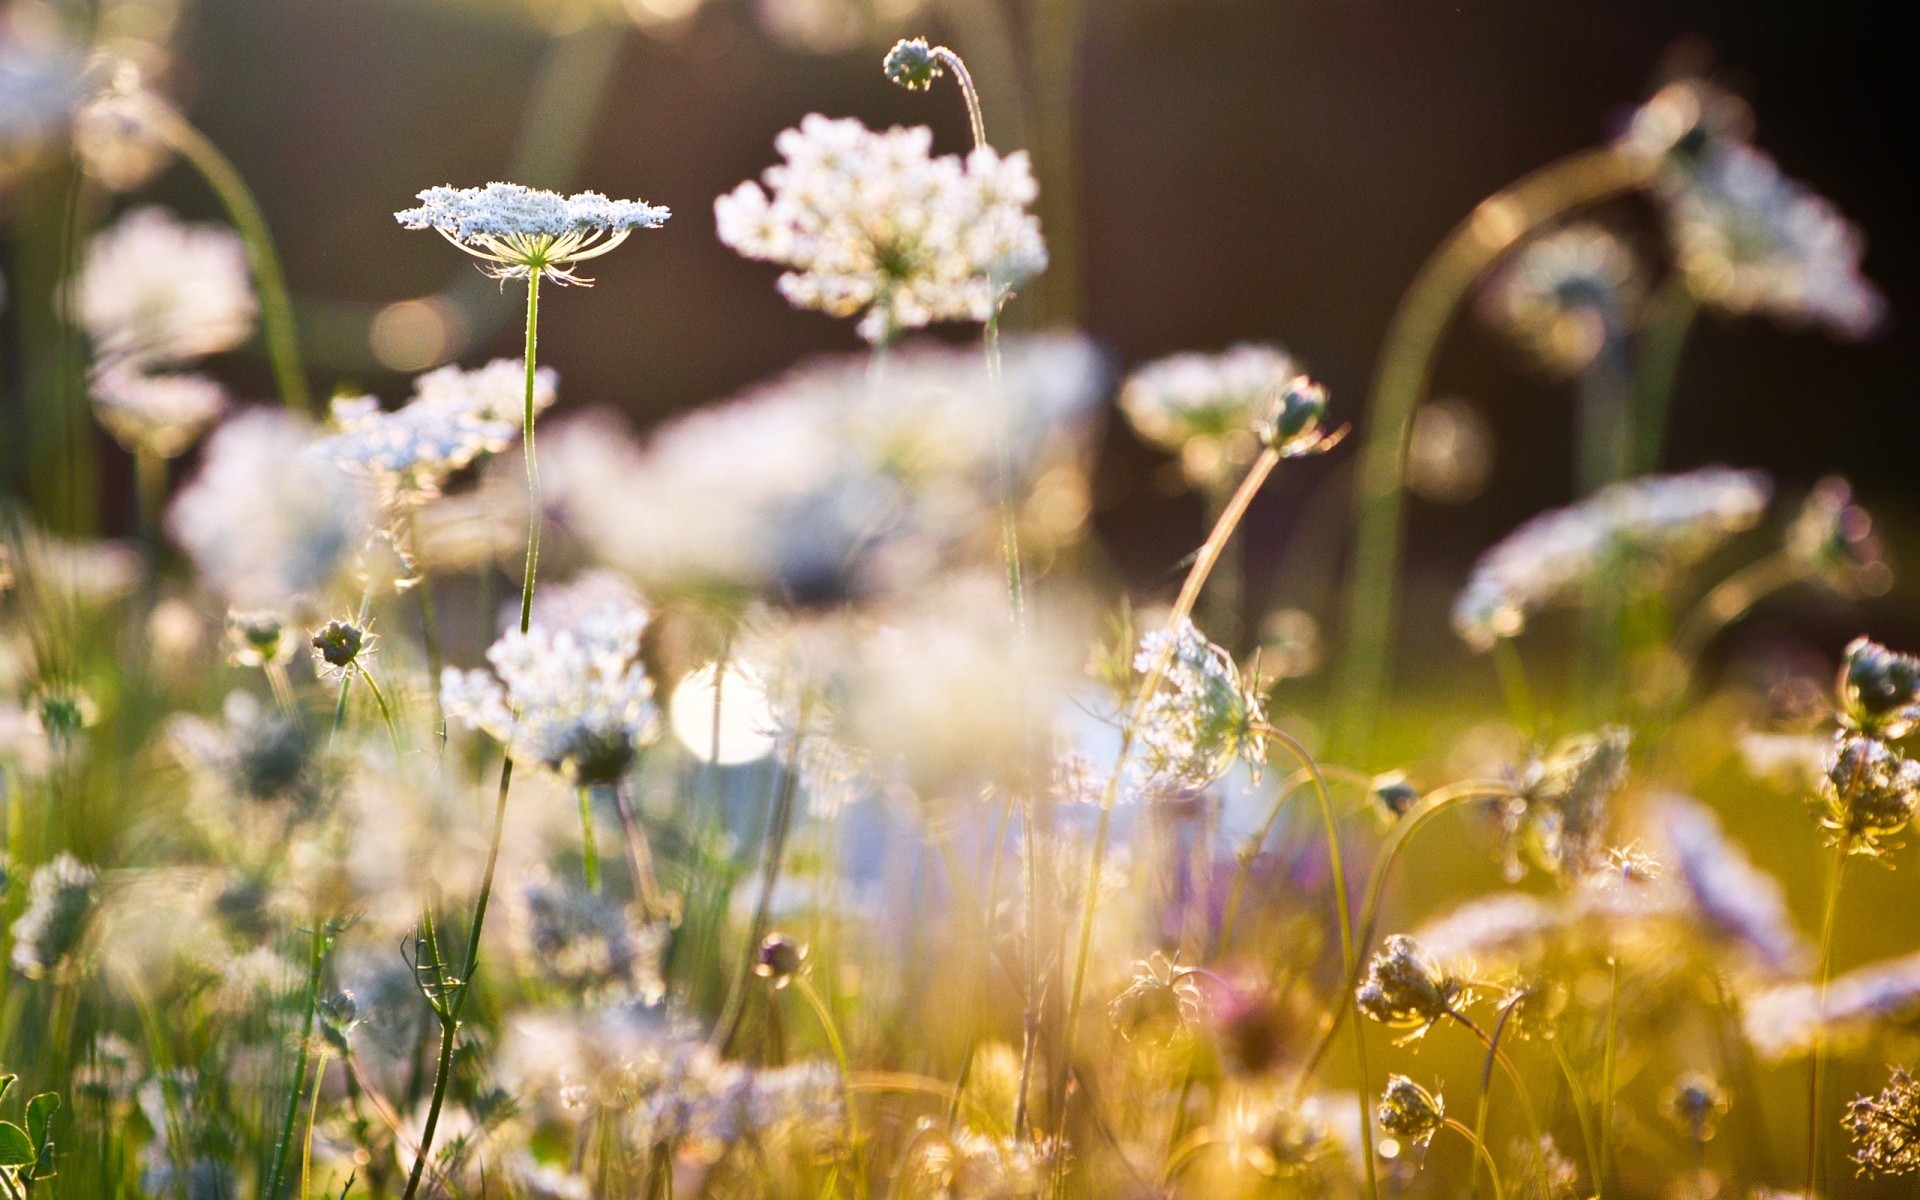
x,y
1400,383
1582,1114
1479,1148
380,702
1816,1074
952,62
1496,1055
1669,318
811,994
1731,599
776,845
276,308
1182,608
1436,802
1249,851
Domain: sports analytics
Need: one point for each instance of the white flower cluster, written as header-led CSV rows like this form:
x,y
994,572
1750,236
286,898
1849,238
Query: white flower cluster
x,y
1739,903
873,221
1657,522
267,520
526,232
585,943
1565,294
1784,1021
454,417
1749,239
1204,407
576,701
826,481
61,897
1198,718
154,294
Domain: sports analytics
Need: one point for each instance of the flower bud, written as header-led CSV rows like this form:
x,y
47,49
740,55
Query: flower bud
x,y
1870,793
339,644
911,64
1292,425
259,638
1404,989
1410,1111
780,959
1394,794
1695,1104
1879,689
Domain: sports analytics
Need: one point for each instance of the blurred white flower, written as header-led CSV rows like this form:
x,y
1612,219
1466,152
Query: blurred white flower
x,y
156,291
872,221
1204,407
161,415
1566,294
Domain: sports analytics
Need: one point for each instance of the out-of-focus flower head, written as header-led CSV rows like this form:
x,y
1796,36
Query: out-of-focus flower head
x,y
1566,294
1557,817
1735,901
1405,989
157,414
779,959
155,291
256,752
267,521
857,486
1204,407
1274,1134
1747,238
1449,452
259,639
1695,1104
1879,690
1410,1111
41,77
1834,539
1869,795
1197,720
61,898
964,1164
1876,999
113,131
585,944
454,417
1162,997
875,222
576,702
1886,1127
522,232
1659,523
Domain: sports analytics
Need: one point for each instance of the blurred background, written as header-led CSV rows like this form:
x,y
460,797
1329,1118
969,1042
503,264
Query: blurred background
x,y
1212,171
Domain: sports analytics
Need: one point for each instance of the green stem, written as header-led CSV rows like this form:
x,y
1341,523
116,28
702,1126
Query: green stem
x,y
1480,1149
975,118
386,712
313,1116
276,308
830,1028
1816,1075
780,821
1669,318
1608,1069
589,847
1401,382
340,709
533,462
429,625
1249,851
1582,1113
316,959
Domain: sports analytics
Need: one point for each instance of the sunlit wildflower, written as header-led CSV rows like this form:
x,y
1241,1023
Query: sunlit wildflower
x,y
113,133
1557,817
1880,997
454,417
1879,690
1695,1104
1293,424
585,943
874,222
1886,1127
1658,523
156,291
1410,1111
266,521
61,897
1733,899
1567,294
157,414
1204,407
1834,539
1749,239
962,1164
1869,795
523,232
1490,935
1405,989
1162,996
576,702
1199,718
912,64
1273,1134
340,646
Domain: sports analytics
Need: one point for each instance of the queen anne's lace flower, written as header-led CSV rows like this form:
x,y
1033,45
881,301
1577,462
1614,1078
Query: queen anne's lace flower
x,y
1199,717
60,899
1557,817
1204,407
455,416
1565,294
1661,522
160,415
1733,899
155,291
526,232
576,701
873,221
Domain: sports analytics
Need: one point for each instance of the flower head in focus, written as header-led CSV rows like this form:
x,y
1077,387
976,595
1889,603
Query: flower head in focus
x,y
912,64
1206,407
1879,690
873,222
1869,796
1406,989
575,702
1410,1111
1886,1127
1199,717
523,232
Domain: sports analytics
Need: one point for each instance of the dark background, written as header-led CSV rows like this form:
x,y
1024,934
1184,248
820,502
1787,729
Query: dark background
x,y
1248,169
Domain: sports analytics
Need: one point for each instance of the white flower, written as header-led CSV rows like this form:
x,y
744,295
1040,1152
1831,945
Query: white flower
x,y
113,132
1204,407
61,898
1566,294
524,231
156,291
872,221
1199,717
575,701
1732,898
267,520
160,415
455,416
1661,521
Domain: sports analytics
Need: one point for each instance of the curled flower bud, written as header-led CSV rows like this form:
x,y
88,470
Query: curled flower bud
x,y
1394,794
912,64
1879,689
1406,989
780,959
1410,1111
1292,426
1886,1127
1869,794
339,644
338,1014
1695,1104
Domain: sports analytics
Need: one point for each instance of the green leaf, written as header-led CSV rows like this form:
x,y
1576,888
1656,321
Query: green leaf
x,y
6,1081
16,1149
40,1112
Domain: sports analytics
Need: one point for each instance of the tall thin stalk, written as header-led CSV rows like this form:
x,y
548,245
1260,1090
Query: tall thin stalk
x,y
1400,383
1669,318
1816,1073
772,855
276,306
1610,1063
316,960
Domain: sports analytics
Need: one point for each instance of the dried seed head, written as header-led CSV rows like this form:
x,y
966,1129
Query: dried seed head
x,y
1406,989
1869,794
1410,1111
1886,1127
339,644
1161,998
